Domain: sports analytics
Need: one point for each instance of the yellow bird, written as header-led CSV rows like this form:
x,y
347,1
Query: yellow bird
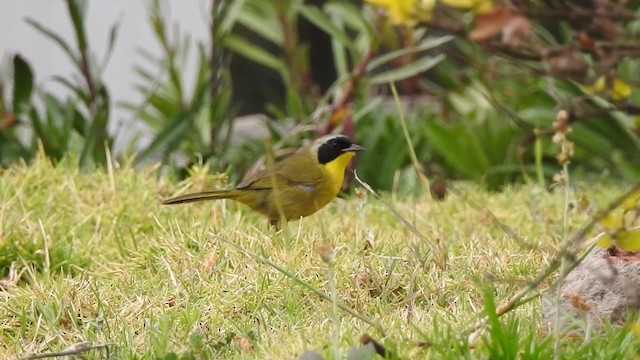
x,y
295,187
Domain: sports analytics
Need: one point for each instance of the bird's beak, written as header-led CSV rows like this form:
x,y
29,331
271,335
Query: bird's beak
x,y
353,147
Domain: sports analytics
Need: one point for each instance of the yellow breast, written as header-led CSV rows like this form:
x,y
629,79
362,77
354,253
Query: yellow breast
x,y
334,173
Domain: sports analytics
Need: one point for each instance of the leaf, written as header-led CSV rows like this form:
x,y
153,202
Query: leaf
x,y
113,35
320,19
261,25
49,132
167,138
76,12
22,85
338,49
76,89
590,139
628,240
166,106
455,147
56,38
231,15
93,152
351,14
36,122
426,44
406,71
491,313
253,52
78,123
364,352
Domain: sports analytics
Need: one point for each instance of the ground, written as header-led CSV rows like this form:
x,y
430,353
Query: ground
x,y
94,257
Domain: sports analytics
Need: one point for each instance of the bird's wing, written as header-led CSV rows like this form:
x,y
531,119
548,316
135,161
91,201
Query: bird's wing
x,y
295,170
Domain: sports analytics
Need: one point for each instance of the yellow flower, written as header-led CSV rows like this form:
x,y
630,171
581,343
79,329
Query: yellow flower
x,y
478,6
618,90
406,12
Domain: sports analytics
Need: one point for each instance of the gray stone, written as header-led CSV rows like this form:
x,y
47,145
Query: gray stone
x,y
602,289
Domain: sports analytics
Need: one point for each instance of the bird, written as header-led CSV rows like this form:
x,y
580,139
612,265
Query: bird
x,y
293,188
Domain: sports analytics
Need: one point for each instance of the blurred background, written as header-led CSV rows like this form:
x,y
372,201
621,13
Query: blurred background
x,y
48,60
490,92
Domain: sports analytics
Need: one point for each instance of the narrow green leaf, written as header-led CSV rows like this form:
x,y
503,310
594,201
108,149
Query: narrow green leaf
x,y
320,19
76,12
351,14
490,312
168,138
254,53
79,123
202,80
409,70
93,152
261,25
339,54
50,136
590,140
111,43
145,74
628,167
454,148
74,88
426,44
164,105
53,108
232,12
36,122
22,85
56,38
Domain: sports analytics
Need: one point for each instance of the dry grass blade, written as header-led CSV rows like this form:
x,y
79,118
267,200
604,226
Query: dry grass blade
x,y
76,349
432,244
412,152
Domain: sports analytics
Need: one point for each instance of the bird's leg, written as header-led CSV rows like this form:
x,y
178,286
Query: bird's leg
x,y
275,223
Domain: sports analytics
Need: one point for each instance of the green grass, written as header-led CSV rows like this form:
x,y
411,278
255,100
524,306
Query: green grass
x,y
99,260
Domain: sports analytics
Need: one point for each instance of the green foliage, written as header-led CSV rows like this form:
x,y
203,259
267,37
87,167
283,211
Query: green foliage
x,y
191,122
78,122
11,148
493,105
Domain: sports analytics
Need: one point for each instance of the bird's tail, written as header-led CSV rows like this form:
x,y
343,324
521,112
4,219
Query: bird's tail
x,y
206,195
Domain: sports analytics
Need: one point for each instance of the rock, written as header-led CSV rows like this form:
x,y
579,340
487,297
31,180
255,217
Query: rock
x,y
603,288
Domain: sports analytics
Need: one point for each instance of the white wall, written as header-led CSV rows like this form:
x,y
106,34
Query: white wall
x,y
47,60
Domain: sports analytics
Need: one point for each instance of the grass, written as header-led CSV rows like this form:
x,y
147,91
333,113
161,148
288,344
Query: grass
x,y
94,258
